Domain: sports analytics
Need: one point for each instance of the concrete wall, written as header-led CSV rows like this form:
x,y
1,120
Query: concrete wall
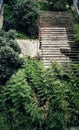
x,y
74,128
29,47
1,19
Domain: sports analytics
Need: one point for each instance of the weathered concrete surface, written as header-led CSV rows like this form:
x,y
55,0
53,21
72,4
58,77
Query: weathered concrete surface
x,y
75,5
29,47
74,128
1,19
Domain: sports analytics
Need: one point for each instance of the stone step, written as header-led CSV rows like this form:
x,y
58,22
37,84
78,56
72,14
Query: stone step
x,y
57,56
54,45
53,53
59,51
60,36
56,39
47,33
51,28
58,61
56,22
56,28
53,32
54,50
55,15
50,57
47,63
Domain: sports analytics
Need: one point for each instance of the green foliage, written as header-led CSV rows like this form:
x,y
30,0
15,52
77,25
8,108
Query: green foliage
x,y
75,45
22,16
48,87
73,84
70,2
9,55
59,4
19,104
21,35
3,124
9,21
26,13
36,98
43,5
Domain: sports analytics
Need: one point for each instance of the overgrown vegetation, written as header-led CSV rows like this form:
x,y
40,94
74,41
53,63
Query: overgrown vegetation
x,y
9,55
59,5
22,16
35,98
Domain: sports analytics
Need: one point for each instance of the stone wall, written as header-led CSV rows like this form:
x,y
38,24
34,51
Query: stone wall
x,y
29,47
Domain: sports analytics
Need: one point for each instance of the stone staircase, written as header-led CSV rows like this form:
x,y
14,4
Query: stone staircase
x,y
55,36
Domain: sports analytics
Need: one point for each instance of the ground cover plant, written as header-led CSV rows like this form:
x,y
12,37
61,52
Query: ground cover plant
x,y
35,98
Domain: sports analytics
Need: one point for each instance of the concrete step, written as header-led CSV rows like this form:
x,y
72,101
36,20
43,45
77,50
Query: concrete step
x,y
54,38
56,53
54,45
47,64
58,61
53,28
57,56
59,51
54,50
50,41
53,32
50,57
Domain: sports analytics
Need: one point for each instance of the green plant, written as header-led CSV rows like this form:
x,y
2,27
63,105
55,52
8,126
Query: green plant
x,y
22,16
9,55
36,98
48,87
59,4
73,84
43,5
19,104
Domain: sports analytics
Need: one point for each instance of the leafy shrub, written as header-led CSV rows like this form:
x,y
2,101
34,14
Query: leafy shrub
x,y
3,124
9,62
43,5
22,16
48,87
73,85
19,104
59,4
9,56
47,99
9,21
